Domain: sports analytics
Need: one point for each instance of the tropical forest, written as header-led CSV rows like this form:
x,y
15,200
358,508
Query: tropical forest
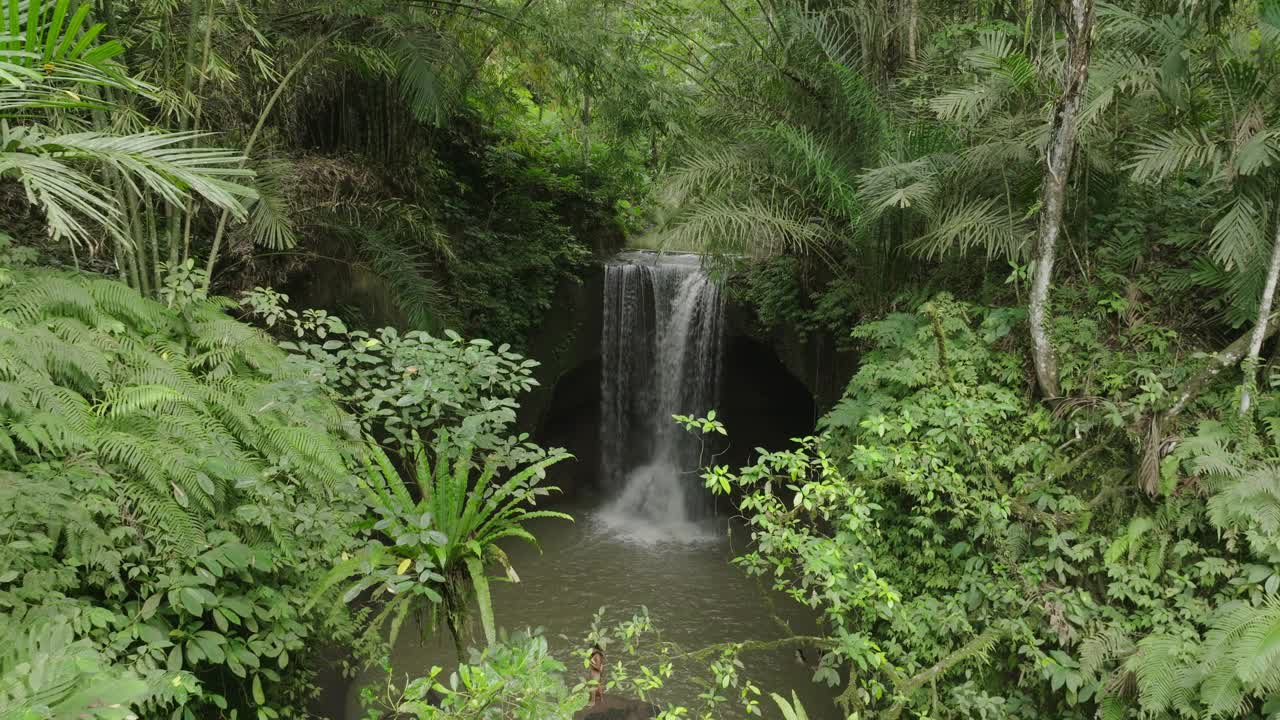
x,y
631,359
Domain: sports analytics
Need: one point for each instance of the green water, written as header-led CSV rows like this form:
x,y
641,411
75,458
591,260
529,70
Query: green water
x,y
680,573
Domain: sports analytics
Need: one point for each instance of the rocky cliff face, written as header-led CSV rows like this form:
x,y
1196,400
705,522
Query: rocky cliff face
x,y
812,360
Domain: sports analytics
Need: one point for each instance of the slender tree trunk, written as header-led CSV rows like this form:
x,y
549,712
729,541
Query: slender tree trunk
x,y
1062,141
586,129
137,251
653,150
206,47
153,237
456,630
913,19
253,139
173,212
1227,358
109,18
1260,330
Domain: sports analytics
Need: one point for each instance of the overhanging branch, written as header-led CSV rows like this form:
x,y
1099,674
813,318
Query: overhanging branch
x,y
1227,358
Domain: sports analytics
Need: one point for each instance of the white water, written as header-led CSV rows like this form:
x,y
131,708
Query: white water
x,y
662,353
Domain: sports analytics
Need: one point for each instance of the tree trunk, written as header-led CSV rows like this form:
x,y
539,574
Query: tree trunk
x,y
1260,330
586,129
913,18
1062,141
172,212
203,73
456,629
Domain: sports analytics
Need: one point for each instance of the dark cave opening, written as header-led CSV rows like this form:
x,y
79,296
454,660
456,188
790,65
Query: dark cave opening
x,y
761,404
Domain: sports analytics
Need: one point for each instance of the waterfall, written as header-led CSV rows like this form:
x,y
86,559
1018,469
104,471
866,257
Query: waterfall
x,y
661,350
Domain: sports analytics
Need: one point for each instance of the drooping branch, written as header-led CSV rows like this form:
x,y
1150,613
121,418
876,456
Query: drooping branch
x,y
484,55
1227,358
796,641
906,688
253,139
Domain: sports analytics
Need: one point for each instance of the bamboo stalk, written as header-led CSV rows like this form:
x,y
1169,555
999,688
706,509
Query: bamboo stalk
x,y
253,139
172,211
195,125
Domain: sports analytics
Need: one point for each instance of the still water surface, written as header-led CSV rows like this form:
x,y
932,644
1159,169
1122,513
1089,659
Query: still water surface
x,y
681,573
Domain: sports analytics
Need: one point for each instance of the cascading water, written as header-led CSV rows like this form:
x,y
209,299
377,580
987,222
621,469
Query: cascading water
x,y
661,347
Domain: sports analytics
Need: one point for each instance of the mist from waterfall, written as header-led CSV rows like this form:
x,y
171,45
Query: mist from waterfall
x,y
662,352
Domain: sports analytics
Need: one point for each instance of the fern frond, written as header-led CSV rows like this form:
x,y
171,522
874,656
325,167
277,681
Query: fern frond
x,y
709,173
816,167
1241,233
1169,152
1108,644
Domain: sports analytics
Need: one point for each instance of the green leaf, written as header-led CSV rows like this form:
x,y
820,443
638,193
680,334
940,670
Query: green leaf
x,y
149,607
174,663
152,635
258,696
237,668
180,495
481,584
191,601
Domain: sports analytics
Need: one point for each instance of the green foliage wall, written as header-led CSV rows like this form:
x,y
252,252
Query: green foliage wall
x,y
171,485
473,230
977,554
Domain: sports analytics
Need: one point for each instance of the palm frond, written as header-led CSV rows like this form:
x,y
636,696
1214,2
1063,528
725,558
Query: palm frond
x,y
750,227
270,224
1169,152
1241,232
963,225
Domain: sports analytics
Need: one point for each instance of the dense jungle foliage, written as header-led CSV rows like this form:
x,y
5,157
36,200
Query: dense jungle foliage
x,y
244,437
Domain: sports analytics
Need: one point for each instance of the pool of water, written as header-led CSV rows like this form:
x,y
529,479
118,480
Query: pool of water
x,y
681,573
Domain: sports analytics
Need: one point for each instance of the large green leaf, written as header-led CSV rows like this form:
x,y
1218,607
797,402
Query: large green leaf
x,y
480,584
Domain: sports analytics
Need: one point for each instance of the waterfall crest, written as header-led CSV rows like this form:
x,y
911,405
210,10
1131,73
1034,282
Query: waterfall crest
x,y
662,352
